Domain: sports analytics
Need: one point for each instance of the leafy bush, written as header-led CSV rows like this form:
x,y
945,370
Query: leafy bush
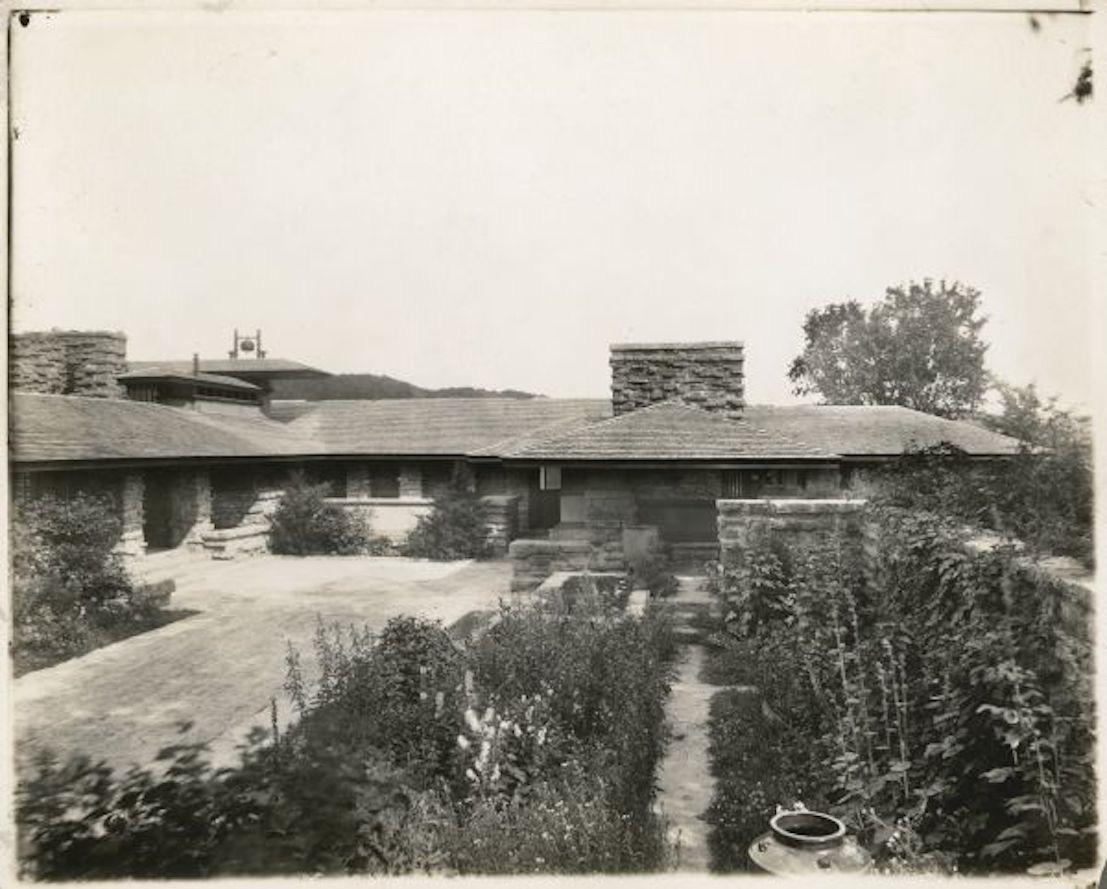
x,y
534,749
944,698
456,528
653,572
70,591
1043,495
304,524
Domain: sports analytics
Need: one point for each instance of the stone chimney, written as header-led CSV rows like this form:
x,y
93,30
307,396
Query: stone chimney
x,y
68,362
706,375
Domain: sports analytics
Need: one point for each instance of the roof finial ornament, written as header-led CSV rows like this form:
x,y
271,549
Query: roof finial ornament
x,y
246,343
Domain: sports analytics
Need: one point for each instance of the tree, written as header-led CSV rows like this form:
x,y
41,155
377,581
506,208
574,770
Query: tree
x,y
919,347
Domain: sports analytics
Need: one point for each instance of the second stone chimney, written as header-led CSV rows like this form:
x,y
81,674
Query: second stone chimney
x,y
706,375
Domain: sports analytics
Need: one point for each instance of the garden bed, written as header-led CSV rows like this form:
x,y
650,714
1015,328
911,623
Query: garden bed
x,y
938,700
523,743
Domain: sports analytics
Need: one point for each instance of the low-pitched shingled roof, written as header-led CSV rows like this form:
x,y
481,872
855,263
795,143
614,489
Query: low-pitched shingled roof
x,y
875,430
48,428
271,367
161,372
667,431
437,426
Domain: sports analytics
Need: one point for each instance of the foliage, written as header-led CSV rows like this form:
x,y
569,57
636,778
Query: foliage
x,y
533,750
653,572
919,347
456,527
305,524
1042,496
943,696
70,591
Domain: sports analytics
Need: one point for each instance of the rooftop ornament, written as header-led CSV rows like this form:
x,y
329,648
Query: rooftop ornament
x,y
801,843
246,343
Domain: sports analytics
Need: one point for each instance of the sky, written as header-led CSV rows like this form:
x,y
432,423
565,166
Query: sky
x,y
492,198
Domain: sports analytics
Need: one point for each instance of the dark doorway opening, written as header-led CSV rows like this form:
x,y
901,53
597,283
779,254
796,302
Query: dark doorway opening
x,y
157,510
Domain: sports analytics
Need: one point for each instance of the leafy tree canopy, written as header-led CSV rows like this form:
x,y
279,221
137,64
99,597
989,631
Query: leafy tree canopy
x,y
919,347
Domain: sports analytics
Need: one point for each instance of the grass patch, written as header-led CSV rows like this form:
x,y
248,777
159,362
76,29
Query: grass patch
x,y
29,660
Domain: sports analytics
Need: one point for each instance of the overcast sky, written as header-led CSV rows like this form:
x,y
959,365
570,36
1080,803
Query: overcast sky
x,y
491,198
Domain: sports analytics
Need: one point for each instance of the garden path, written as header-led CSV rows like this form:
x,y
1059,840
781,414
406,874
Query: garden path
x,y
218,669
684,778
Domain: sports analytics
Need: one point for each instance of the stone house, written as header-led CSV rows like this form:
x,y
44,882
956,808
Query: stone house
x,y
196,454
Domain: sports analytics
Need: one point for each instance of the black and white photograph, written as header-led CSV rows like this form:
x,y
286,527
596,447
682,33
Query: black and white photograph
x,y
553,440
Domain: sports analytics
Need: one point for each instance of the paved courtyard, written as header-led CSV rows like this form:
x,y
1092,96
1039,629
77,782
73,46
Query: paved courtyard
x,y
218,669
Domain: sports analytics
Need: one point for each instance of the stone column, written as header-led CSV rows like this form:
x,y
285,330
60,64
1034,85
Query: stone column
x,y
411,480
132,541
357,481
198,485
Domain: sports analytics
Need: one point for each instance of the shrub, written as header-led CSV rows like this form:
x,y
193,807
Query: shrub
x,y
411,755
1043,495
70,591
456,527
304,524
944,698
653,572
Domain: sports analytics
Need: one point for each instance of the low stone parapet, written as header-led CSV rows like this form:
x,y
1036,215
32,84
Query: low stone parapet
x,y
745,523
390,517
533,561
228,543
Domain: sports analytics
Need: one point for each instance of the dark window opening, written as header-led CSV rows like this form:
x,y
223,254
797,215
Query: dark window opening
x,y
384,481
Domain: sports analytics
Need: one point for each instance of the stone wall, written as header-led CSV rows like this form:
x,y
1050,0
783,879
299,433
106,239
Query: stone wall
x,y
190,505
707,375
132,541
411,480
390,517
532,561
36,363
502,521
251,535
73,362
746,523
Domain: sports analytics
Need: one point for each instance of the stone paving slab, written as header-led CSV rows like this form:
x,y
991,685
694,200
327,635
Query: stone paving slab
x,y
684,777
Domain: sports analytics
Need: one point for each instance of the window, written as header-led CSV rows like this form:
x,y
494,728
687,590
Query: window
x,y
549,478
384,481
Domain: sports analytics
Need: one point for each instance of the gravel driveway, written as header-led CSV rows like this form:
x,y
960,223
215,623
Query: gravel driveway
x,y
219,668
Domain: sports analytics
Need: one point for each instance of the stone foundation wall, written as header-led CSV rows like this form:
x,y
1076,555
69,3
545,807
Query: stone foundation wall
x,y
73,362
746,523
706,375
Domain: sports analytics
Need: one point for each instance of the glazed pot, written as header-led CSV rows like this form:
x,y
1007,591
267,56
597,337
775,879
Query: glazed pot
x,y
805,842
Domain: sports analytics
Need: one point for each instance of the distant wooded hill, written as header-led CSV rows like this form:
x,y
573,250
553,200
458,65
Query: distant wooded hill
x,y
376,386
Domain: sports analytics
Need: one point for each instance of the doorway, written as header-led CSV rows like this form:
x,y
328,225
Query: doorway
x,y
157,510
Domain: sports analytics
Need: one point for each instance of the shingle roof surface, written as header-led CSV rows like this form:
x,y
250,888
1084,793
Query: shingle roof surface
x,y
869,430
57,427
437,425
667,431
281,366
64,427
162,372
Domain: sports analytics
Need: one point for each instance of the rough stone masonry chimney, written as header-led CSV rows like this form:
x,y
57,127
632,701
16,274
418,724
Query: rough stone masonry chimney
x,y
706,375
68,362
